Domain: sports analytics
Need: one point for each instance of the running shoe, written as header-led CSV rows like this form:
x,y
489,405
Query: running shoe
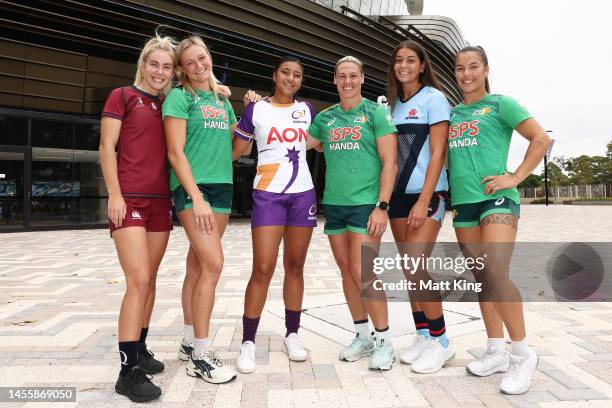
x,y
137,386
518,378
491,362
210,368
185,351
246,360
147,361
359,347
433,358
294,348
413,352
382,357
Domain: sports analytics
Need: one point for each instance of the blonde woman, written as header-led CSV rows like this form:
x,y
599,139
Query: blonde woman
x,y
139,205
199,124
360,147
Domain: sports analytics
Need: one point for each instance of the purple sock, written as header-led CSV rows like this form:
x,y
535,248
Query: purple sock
x,y
292,321
249,328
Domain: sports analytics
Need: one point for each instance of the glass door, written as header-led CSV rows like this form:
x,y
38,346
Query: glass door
x,y
14,209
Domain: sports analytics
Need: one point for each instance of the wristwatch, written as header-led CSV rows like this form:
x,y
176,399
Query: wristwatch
x,y
383,205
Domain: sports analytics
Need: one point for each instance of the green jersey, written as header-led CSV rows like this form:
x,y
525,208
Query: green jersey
x,y
478,144
208,146
352,175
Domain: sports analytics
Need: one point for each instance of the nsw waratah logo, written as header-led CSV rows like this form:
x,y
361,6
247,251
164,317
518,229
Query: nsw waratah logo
x,y
412,114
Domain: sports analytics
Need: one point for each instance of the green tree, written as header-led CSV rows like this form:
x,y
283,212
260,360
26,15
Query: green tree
x,y
580,169
609,150
556,177
532,180
602,169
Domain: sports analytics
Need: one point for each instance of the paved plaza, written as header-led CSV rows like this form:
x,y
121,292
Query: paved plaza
x,y
60,293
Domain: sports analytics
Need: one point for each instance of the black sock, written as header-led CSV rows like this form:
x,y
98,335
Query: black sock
x,y
437,327
128,353
143,334
420,320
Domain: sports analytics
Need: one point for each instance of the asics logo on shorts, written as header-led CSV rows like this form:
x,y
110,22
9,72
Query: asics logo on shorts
x,y
136,215
500,201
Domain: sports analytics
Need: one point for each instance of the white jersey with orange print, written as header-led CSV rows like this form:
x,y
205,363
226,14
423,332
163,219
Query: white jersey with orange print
x,y
280,132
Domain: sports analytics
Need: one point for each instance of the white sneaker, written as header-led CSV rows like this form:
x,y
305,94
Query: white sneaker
x,y
185,351
210,368
433,358
518,378
246,360
491,362
413,352
294,348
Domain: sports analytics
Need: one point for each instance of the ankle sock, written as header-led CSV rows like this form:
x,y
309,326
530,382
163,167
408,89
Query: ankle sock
x,y
292,321
420,323
249,328
437,330
128,353
362,328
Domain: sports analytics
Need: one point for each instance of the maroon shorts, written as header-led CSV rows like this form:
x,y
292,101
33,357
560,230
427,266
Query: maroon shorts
x,y
153,214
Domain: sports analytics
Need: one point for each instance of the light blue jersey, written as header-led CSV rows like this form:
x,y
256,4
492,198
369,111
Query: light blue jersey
x,y
413,119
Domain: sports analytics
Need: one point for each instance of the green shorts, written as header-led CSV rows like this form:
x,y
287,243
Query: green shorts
x,y
470,215
342,218
218,196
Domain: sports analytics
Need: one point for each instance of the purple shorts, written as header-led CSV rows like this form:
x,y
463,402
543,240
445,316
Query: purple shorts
x,y
292,210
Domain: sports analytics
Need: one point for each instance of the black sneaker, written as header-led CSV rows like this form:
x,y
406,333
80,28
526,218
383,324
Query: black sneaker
x,y
137,386
147,362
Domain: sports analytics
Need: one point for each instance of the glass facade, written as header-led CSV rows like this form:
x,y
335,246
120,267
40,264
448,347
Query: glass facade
x,y
369,7
56,169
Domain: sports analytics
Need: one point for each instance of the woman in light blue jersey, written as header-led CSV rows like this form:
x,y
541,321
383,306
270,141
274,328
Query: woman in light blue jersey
x,y
421,113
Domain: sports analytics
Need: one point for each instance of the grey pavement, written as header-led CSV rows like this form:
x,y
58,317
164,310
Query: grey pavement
x,y
60,293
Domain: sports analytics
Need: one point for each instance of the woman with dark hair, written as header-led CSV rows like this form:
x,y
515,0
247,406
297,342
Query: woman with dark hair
x,y
485,204
284,204
421,113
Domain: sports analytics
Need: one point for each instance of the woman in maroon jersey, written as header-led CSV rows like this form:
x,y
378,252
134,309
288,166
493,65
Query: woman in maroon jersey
x,y
139,205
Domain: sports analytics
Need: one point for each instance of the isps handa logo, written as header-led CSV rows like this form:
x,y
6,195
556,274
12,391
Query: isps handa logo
x,y
344,138
463,134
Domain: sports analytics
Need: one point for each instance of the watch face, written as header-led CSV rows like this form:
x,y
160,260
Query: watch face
x,y
383,205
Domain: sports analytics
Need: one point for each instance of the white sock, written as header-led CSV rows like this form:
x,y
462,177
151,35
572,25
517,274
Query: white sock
x,y
499,344
200,346
363,330
188,334
520,348
382,336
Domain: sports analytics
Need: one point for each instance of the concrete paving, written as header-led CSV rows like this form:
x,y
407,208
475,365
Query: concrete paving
x,y
60,293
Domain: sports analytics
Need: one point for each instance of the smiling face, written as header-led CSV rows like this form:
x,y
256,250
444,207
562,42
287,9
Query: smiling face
x,y
471,72
287,79
407,66
197,65
348,80
157,70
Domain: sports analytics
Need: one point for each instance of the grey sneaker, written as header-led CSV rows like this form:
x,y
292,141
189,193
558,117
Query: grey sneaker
x,y
359,347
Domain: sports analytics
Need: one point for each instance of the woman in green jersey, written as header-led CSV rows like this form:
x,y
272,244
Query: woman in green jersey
x,y
485,204
198,124
359,143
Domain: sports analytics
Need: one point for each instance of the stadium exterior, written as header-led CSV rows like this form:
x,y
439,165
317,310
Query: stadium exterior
x,y
59,60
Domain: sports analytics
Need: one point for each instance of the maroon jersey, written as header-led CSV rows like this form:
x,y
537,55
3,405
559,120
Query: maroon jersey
x,y
141,149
